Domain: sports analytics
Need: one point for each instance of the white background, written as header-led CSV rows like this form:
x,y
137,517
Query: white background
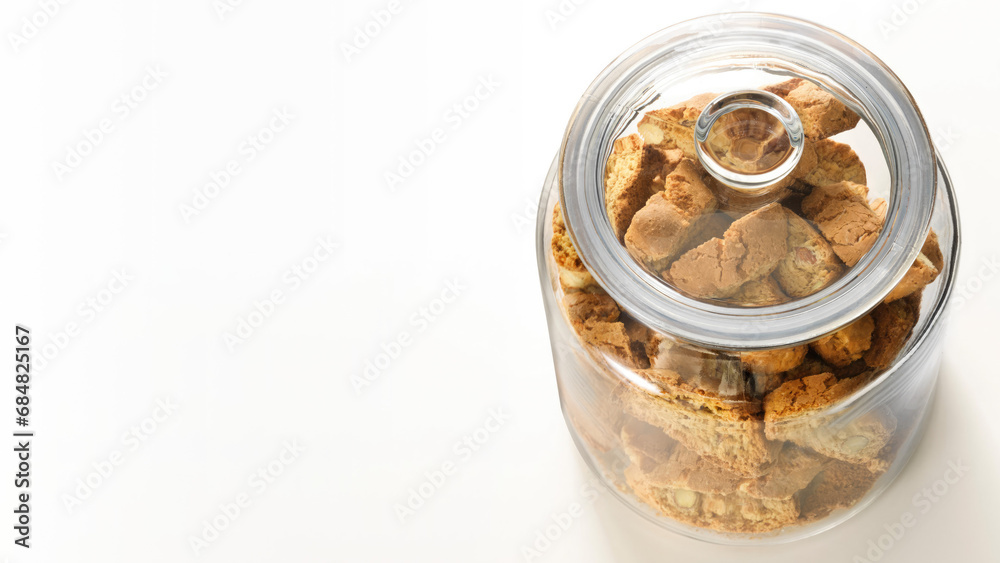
x,y
465,214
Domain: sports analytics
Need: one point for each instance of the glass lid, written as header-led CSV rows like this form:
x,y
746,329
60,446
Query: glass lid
x,y
747,181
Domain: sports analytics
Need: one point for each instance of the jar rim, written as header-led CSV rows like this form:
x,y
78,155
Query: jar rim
x,y
789,46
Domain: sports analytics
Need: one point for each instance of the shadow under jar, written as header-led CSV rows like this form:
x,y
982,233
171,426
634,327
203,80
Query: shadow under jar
x,y
746,246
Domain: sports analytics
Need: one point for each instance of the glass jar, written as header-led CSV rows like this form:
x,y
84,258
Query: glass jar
x,y
746,245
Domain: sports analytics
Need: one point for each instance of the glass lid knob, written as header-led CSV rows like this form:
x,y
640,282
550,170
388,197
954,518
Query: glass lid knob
x,y
749,139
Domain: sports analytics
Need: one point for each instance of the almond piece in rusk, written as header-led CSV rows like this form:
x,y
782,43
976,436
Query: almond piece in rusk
x,y
791,412
810,264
